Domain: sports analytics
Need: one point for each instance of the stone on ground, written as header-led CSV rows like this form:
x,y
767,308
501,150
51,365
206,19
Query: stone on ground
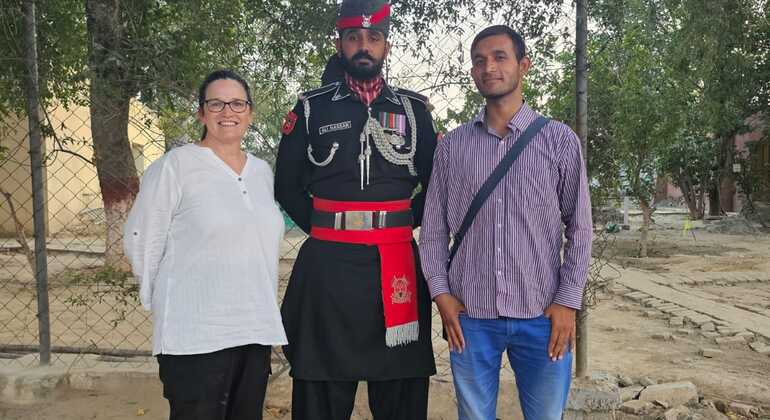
x,y
674,394
636,407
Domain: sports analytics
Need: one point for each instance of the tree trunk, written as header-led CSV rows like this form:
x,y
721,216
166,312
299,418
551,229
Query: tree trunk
x,y
646,220
690,194
727,191
702,200
20,236
715,209
110,97
727,187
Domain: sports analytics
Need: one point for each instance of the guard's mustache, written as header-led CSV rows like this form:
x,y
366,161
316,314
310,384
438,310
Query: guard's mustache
x,y
362,54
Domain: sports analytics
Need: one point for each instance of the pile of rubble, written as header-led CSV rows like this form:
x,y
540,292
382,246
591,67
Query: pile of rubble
x,y
734,225
604,396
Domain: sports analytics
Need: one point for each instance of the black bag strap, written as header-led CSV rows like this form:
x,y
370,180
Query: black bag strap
x,y
494,178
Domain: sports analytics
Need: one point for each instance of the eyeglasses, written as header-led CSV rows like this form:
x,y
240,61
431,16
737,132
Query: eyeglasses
x,y
238,105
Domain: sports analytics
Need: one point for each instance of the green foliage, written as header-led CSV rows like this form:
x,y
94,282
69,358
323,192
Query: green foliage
x,y
61,52
603,166
102,285
668,81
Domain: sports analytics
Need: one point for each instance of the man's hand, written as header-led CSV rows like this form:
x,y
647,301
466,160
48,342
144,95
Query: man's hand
x,y
562,330
449,308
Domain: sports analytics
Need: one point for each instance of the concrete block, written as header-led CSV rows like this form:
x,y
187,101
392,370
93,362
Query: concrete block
x,y
630,393
728,330
676,321
645,381
697,319
760,347
33,385
636,296
652,313
730,341
589,396
637,407
679,312
674,394
709,326
677,413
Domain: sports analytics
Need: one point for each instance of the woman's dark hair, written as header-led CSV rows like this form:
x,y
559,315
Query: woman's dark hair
x,y
518,41
222,74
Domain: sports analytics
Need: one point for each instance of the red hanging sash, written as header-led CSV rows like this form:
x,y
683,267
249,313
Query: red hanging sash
x,y
397,269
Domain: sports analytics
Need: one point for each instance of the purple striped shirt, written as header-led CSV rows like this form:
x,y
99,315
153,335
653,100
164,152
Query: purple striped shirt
x,y
510,262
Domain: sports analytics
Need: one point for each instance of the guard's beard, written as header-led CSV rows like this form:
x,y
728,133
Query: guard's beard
x,y
362,72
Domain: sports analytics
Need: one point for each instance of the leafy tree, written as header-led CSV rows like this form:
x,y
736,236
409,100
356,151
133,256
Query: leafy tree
x,y
603,166
634,104
690,162
158,51
721,51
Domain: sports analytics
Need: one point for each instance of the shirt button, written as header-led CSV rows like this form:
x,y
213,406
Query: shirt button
x,y
244,192
240,179
499,249
499,273
499,200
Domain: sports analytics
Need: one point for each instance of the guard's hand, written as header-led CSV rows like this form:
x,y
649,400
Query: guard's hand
x,y
450,307
562,330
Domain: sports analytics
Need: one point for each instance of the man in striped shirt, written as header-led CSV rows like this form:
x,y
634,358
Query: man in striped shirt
x,y
509,289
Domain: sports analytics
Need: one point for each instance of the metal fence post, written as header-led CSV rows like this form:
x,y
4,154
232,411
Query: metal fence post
x,y
581,127
38,193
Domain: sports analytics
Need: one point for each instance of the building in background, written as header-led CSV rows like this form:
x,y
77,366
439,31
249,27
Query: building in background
x,y
73,198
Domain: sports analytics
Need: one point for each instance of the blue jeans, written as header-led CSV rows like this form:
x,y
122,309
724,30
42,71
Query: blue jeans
x,y
543,385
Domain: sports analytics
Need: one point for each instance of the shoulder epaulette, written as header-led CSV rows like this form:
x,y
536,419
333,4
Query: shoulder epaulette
x,y
414,95
318,91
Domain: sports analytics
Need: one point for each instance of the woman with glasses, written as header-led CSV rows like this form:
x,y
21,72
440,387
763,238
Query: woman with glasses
x,y
203,240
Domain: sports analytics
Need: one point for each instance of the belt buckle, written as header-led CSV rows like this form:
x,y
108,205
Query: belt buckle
x,y
358,220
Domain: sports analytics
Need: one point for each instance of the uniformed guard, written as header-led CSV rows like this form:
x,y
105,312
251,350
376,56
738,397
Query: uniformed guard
x,y
357,308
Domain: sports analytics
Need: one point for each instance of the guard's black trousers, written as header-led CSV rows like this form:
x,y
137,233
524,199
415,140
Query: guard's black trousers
x,y
400,399
229,384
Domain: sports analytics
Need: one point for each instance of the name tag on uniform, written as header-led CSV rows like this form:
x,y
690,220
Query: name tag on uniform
x,y
393,122
345,125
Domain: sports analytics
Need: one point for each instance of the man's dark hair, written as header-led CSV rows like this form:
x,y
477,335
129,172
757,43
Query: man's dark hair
x,y
222,74
518,41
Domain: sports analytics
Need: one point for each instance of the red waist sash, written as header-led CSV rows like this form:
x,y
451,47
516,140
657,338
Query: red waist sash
x,y
398,275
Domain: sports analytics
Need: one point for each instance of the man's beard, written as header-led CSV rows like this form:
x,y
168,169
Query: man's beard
x,y
499,94
362,72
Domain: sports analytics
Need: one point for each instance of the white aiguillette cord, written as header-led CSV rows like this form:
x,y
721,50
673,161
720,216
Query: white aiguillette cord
x,y
373,129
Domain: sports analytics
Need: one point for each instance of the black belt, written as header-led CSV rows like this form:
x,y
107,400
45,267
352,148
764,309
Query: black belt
x,y
361,220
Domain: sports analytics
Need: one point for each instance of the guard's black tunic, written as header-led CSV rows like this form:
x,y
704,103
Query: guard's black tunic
x,y
332,310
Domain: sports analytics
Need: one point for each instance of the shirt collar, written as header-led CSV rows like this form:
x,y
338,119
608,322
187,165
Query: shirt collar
x,y
387,93
520,121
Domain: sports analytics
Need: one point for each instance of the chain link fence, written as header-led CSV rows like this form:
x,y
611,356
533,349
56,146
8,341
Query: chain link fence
x,y
94,309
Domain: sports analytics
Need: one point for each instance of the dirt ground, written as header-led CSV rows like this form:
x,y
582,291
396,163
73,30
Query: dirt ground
x,y
624,339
